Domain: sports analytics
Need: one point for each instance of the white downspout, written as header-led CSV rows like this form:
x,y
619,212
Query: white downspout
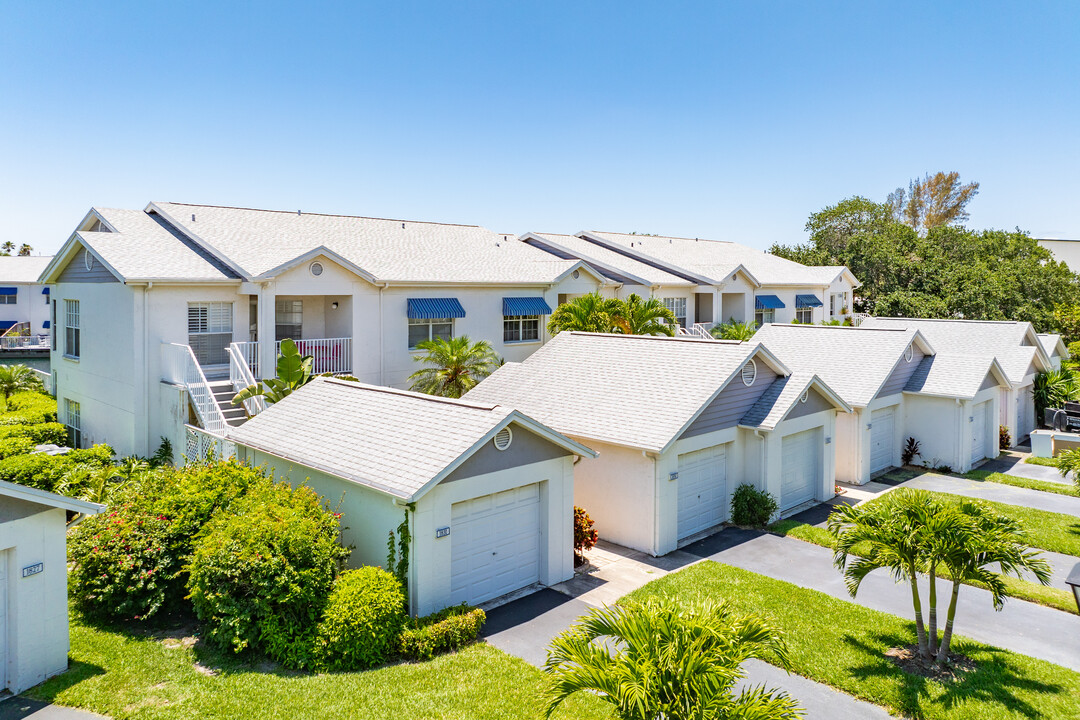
x,y
147,382
382,353
764,459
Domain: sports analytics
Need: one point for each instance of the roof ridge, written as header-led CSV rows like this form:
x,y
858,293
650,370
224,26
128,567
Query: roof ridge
x,y
668,338
301,214
666,237
966,320
456,402
840,327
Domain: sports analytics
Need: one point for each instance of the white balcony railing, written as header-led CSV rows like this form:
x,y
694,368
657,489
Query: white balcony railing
x,y
179,366
697,330
248,353
18,342
857,318
200,446
329,355
241,376
45,378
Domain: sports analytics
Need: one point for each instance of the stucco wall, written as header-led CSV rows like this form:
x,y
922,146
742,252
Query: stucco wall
x,y
936,424
30,306
618,490
37,622
787,296
826,421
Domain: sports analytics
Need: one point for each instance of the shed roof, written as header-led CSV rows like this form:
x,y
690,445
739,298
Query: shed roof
x,y
22,269
1051,343
773,406
954,375
41,497
394,441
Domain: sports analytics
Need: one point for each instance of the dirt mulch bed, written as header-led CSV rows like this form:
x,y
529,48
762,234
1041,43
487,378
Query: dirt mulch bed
x,y
908,660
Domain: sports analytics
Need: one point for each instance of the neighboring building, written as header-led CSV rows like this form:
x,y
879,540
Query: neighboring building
x,y
678,424
1066,251
33,584
22,298
493,490
1013,344
1054,347
179,303
899,388
727,281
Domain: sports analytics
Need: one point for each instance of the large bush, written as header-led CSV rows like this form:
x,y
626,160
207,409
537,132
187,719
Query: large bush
x,y
261,573
29,408
362,620
46,471
751,507
449,629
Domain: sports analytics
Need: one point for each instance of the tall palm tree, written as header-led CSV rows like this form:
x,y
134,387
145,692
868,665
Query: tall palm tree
x,y
455,366
16,378
8,247
735,331
25,250
638,316
657,660
587,313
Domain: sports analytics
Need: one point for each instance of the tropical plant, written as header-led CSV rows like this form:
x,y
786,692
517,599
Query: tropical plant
x,y
1052,389
293,372
8,247
585,535
454,366
910,451
638,316
25,250
1068,462
658,660
587,313
17,378
733,330
1004,438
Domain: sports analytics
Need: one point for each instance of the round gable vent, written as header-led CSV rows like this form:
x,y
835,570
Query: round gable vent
x,y
805,395
909,353
576,274
749,373
316,268
88,260
503,438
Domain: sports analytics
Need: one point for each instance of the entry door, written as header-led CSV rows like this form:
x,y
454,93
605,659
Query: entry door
x,y
978,430
1025,413
882,437
800,467
494,544
703,491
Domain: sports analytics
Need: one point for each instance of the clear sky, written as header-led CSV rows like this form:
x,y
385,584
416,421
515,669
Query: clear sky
x,y
723,120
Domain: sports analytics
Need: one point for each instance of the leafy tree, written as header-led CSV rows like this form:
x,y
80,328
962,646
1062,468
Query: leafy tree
x,y
293,372
1052,389
8,247
16,378
1067,321
455,366
637,316
734,331
667,662
25,250
587,313
935,200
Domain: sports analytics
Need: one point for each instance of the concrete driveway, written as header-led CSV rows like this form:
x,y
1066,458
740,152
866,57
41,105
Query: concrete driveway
x,y
20,708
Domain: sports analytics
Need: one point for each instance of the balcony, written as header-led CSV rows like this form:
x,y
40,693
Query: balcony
x,y
329,355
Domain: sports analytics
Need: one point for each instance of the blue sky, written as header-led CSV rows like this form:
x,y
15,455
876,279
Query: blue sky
x,y
721,120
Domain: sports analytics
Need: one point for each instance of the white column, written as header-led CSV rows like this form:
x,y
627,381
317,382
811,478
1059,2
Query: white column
x,y
267,330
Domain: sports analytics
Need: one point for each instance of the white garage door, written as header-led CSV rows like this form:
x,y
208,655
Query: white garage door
x,y
703,492
800,467
1025,413
882,437
978,431
494,544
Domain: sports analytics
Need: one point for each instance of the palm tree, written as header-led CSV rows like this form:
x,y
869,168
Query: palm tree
x,y
293,372
1052,389
16,378
735,331
8,247
587,313
656,660
455,366
984,539
25,250
1068,461
638,316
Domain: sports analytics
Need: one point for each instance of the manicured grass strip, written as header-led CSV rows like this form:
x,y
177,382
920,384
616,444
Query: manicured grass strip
x,y
842,644
1021,482
1049,462
1051,531
138,677
1014,587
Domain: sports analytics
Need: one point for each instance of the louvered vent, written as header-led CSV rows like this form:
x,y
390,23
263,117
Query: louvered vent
x,y
503,438
749,373
316,269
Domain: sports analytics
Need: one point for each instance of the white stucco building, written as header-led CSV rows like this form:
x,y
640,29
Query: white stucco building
x,y
22,298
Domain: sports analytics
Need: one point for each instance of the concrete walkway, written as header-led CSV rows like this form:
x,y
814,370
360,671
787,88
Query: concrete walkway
x,y
1037,499
1022,627
1015,465
20,708
525,627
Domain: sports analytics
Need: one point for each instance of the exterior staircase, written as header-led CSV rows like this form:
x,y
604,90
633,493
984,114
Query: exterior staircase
x,y
223,393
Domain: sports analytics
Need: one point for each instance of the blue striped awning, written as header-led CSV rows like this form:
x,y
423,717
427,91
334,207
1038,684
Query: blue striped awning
x,y
9,291
428,308
804,301
525,306
47,324
44,291
7,324
767,302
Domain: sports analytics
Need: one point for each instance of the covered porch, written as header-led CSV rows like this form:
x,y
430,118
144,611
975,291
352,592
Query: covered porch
x,y
320,325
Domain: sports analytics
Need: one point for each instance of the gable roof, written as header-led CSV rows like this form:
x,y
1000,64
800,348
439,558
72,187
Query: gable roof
x,y
854,362
776,402
614,265
1050,343
954,376
1004,339
258,242
631,390
395,441
718,259
22,269
48,499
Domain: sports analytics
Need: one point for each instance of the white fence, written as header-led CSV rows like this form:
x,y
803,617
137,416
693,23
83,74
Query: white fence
x,y
329,355
45,378
201,446
241,376
179,366
25,342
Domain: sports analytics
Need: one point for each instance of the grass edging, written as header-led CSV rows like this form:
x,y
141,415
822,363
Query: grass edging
x,y
1015,587
842,644
1045,462
1022,482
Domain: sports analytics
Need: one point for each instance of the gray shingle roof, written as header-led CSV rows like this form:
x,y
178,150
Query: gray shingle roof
x,y
1048,341
394,441
22,270
951,375
259,241
1001,338
774,404
854,362
600,257
627,390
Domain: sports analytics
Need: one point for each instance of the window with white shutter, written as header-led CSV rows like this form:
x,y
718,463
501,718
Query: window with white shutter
x,y
210,331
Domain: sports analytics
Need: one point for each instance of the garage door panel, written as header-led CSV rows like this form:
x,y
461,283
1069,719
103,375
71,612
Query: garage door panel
x,y
882,439
801,467
978,431
703,491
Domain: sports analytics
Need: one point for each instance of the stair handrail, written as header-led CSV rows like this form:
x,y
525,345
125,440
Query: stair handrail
x,y
180,367
240,376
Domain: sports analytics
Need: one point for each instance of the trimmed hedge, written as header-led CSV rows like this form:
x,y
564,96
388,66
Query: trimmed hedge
x,y
449,629
364,616
45,471
751,507
29,408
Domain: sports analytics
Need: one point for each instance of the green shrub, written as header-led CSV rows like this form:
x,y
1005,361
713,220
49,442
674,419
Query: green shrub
x,y
29,408
1004,438
585,536
261,573
39,471
751,507
16,445
51,432
449,629
363,618
1074,349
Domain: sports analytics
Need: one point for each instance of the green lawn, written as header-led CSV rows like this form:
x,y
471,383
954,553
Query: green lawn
x,y
1052,531
1029,483
842,644
1049,462
139,677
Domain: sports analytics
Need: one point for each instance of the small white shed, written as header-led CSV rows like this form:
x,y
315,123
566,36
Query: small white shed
x,y
33,584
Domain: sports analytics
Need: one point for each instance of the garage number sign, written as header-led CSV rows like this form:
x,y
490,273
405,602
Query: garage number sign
x,y
441,532
32,569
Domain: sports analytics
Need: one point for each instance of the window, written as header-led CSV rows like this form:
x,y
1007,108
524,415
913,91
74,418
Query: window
x,y
73,423
72,333
764,316
521,328
424,329
678,307
804,315
11,299
832,304
210,331
289,319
